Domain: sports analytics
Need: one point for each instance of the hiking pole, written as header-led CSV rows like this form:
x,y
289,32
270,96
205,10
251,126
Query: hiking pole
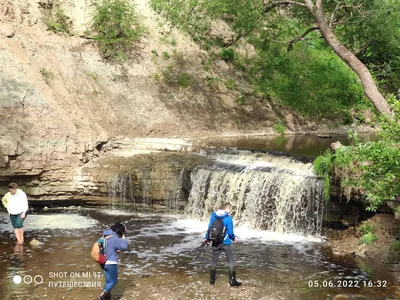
x,y
201,249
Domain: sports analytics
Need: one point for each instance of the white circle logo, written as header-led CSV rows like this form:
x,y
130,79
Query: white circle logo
x,y
37,278
28,279
17,279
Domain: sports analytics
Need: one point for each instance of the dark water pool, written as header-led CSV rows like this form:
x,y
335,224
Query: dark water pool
x,y
305,145
162,247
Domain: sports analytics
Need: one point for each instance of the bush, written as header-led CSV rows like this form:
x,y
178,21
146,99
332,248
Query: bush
x,y
56,20
280,128
323,166
116,27
369,236
183,80
396,245
176,72
227,54
47,75
372,168
241,100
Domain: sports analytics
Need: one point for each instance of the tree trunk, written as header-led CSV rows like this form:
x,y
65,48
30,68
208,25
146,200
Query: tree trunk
x,y
370,88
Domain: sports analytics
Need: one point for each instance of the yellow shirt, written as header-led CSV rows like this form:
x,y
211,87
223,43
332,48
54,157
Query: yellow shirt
x,y
15,204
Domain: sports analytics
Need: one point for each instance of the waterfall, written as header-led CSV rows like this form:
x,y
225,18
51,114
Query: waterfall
x,y
120,188
268,191
149,188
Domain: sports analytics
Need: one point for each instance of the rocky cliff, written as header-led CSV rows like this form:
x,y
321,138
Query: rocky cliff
x,y
60,101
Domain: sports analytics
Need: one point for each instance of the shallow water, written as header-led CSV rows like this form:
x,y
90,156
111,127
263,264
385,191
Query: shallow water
x,y
163,246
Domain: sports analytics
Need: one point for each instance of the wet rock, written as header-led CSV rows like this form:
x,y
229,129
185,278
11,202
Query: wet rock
x,y
12,236
336,145
36,243
341,297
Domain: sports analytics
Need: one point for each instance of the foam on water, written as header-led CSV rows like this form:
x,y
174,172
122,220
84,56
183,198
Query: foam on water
x,y
193,227
52,221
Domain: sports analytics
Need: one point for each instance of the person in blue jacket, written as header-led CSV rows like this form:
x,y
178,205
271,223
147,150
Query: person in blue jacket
x,y
225,245
115,242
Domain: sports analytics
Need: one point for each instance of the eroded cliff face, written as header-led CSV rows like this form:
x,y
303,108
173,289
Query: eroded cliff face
x,y
60,101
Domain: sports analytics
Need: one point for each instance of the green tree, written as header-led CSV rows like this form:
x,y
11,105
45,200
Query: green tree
x,y
333,20
116,27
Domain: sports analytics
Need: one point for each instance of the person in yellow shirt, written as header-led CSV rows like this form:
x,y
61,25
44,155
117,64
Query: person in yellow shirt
x,y
16,203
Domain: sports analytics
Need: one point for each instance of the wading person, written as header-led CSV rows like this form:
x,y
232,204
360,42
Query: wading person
x,y
17,206
220,233
115,242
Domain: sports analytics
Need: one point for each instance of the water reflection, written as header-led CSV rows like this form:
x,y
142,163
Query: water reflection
x,y
161,246
307,145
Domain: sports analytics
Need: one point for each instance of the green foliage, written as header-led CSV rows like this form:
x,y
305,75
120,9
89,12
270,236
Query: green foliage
x,y
47,75
166,55
375,23
391,127
230,84
157,77
323,166
56,20
280,127
368,234
368,238
227,54
396,245
241,100
183,80
176,72
309,78
116,27
373,167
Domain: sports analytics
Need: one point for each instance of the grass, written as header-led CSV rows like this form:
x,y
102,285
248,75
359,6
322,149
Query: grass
x,y
324,163
323,166
230,84
227,54
241,100
369,236
396,245
183,80
176,72
165,55
280,128
47,75
56,20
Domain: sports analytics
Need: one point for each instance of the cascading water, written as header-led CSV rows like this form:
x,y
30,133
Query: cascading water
x,y
120,188
272,192
269,191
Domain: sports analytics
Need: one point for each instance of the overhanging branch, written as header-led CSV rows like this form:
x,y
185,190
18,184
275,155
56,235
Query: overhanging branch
x,y
301,37
364,47
271,6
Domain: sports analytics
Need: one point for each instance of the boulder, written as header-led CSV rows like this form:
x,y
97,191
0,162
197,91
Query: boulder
x,y
36,243
7,30
336,145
